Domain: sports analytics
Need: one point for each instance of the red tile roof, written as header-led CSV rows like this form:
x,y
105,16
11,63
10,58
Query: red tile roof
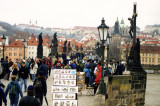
x,y
16,44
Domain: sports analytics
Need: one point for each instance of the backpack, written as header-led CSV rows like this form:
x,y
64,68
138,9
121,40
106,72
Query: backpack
x,y
13,89
38,85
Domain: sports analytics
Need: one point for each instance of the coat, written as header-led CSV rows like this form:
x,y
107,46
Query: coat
x,y
97,80
43,69
2,97
34,69
19,91
87,72
23,72
29,101
40,93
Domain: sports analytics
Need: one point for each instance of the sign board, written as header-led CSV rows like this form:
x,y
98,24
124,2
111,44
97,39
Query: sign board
x,y
64,87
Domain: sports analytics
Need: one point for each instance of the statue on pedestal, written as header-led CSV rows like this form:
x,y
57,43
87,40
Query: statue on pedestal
x,y
40,47
54,45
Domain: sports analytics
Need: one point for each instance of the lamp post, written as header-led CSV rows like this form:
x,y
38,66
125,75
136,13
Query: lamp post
x,y
24,43
3,43
103,32
108,42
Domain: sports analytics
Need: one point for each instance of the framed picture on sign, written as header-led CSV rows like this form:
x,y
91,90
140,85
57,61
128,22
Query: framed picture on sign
x,y
64,102
64,76
67,96
64,82
64,71
65,89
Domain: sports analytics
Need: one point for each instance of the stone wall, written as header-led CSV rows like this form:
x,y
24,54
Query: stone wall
x,y
126,90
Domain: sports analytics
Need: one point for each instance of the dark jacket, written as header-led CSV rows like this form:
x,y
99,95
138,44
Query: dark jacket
x,y
43,91
23,72
29,101
19,91
2,97
43,69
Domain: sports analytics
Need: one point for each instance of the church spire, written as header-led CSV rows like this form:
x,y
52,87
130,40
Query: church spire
x,y
122,21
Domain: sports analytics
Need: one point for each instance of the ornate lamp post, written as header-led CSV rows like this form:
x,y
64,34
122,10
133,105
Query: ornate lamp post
x,y
108,42
3,43
103,32
24,43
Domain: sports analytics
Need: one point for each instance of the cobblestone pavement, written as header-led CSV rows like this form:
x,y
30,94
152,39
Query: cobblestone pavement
x,y
152,92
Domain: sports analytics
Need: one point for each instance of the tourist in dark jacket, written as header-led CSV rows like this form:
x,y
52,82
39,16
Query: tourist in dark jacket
x,y
14,98
43,68
40,89
23,75
29,100
2,97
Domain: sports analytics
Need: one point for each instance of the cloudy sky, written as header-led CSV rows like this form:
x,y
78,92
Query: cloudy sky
x,y
70,13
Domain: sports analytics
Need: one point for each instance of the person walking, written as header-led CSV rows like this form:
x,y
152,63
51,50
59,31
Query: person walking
x,y
40,87
14,90
43,68
49,64
14,70
10,65
88,75
29,100
23,75
2,97
33,70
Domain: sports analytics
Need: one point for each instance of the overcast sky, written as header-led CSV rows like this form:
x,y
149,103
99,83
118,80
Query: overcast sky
x,y
70,13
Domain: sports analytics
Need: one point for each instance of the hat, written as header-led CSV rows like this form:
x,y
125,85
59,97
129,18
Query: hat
x,y
30,87
13,76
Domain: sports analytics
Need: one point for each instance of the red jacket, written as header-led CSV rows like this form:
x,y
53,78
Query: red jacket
x,y
49,63
97,80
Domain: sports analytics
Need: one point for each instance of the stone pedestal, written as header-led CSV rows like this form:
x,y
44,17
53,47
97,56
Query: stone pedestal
x,y
126,90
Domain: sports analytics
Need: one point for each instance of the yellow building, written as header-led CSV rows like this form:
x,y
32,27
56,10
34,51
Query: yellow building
x,y
150,55
15,50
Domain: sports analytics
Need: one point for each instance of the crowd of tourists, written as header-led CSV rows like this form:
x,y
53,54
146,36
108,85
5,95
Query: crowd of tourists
x,y
38,71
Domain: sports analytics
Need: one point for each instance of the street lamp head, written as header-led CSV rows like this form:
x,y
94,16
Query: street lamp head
x,y
108,39
3,40
24,42
103,30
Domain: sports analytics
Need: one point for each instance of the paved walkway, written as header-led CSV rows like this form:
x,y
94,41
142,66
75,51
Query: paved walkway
x,y
152,92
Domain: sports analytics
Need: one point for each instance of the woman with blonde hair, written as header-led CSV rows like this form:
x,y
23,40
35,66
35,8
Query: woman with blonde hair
x,y
14,69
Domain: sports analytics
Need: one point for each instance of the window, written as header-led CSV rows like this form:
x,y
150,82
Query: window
x,y
149,59
15,54
29,47
31,41
29,52
15,48
10,54
152,59
146,59
153,55
142,59
20,54
10,48
143,54
146,54
150,54
32,52
158,59
32,47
